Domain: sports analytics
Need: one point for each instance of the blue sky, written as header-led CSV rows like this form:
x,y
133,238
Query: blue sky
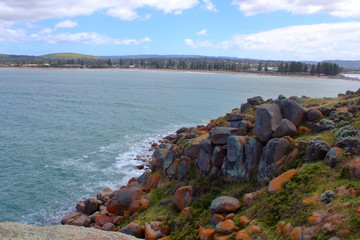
x,y
262,29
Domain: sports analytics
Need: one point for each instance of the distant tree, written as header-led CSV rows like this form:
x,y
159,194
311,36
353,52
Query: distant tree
x,y
109,62
313,70
266,67
318,69
259,68
281,67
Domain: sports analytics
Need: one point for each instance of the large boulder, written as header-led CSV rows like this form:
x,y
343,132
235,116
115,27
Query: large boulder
x,y
233,164
253,152
268,117
203,162
133,229
316,150
291,110
224,204
355,169
183,168
158,158
76,219
192,151
333,156
122,198
154,230
183,196
285,128
206,145
170,157
220,135
91,205
313,115
350,144
275,150
218,156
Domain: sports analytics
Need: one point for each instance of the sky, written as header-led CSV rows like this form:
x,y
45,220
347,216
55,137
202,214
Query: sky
x,y
260,29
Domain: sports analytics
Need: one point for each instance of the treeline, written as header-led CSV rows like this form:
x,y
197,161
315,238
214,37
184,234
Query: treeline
x,y
324,68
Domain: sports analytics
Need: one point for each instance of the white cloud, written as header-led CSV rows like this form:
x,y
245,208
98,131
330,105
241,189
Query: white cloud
x,y
339,8
50,36
66,24
306,42
202,32
25,10
210,6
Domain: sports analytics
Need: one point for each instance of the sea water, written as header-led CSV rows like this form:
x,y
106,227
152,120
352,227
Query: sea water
x,y
65,135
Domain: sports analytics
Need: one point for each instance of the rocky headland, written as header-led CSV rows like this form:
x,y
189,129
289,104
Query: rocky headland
x,y
287,168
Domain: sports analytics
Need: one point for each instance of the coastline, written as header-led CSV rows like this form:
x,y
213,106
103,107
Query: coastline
x,y
338,77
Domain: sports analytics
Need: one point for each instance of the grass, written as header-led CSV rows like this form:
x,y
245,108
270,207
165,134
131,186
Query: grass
x,y
328,136
69,56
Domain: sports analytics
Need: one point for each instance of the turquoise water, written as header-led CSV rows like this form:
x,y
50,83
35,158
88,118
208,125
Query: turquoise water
x,y
67,134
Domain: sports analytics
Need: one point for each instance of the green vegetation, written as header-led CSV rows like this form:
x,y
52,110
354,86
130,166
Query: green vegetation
x,y
69,56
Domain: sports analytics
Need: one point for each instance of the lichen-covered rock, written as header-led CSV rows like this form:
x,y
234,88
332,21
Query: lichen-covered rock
x,y
76,219
268,117
277,183
347,131
183,196
206,145
235,148
225,227
218,156
313,115
158,159
183,168
291,110
192,151
285,128
133,229
220,135
206,234
224,204
170,157
154,230
203,162
316,150
244,107
275,150
253,152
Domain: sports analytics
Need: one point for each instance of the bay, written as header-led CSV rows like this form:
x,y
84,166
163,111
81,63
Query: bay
x,y
67,134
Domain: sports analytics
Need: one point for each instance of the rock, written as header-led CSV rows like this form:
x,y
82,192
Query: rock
x,y
354,169
224,204
172,170
216,218
244,107
255,229
170,157
328,228
235,124
235,117
296,234
350,144
327,196
220,135
235,148
154,230
206,234
280,227
244,221
126,196
291,110
333,156
343,233
143,178
108,227
215,172
76,219
133,229
137,205
230,216
80,206
183,196
225,227
285,128
192,151
313,115
310,232
316,150
249,198
347,131
327,125
277,183
255,100
206,145
153,181
253,152
12,231
183,168
218,156
287,229
104,218
274,151
91,205
268,117
182,130
242,235
158,158
104,196
203,162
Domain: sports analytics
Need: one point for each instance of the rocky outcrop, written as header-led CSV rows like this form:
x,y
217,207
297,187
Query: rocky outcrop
x,y
291,110
11,231
220,135
268,118
224,204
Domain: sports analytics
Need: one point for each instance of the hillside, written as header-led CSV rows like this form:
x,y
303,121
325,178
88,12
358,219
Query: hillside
x,y
68,56
277,169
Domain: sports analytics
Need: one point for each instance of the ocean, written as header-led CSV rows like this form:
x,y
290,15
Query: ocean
x,y
65,135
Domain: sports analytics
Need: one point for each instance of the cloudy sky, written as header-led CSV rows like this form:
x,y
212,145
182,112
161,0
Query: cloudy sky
x,y
264,29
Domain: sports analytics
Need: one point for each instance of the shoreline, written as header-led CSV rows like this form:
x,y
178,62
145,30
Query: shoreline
x,y
338,77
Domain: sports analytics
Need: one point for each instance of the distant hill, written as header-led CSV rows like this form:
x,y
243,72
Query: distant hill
x,y
347,64
66,56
